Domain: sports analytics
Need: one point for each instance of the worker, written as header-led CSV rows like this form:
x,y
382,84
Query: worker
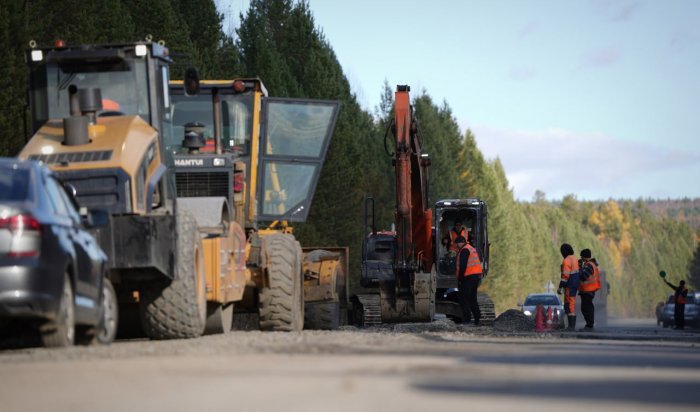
x,y
589,276
457,230
679,301
468,271
569,283
447,246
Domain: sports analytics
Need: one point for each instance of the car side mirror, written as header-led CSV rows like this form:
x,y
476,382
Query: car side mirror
x,y
94,218
520,304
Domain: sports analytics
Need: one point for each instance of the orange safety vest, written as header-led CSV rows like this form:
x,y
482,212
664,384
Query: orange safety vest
x,y
593,282
680,299
454,235
568,266
473,263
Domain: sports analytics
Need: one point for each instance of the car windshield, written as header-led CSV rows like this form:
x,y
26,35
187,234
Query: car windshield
x,y
690,299
14,184
541,300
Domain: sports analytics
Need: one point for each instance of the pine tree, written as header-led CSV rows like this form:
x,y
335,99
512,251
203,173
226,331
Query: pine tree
x,y
694,269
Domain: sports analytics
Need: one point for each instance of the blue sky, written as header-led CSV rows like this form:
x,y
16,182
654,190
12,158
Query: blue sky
x,y
599,98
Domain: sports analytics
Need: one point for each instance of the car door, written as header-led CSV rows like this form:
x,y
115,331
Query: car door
x,y
86,264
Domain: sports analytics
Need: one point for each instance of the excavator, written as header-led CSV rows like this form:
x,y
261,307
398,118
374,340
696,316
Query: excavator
x,y
414,275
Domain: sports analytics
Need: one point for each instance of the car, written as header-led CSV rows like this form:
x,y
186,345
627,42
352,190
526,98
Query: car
x,y
660,313
53,273
547,300
692,315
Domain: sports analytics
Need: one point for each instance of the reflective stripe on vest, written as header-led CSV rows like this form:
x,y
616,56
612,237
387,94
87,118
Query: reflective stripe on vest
x,y
593,282
453,236
568,266
473,263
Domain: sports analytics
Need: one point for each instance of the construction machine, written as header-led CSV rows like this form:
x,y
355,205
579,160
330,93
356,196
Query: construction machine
x,y
102,119
268,175
414,274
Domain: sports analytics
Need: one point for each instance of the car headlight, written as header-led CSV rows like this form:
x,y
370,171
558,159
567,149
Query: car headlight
x,y
527,312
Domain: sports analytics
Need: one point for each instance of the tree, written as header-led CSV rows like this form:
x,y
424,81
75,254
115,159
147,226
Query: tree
x,y
694,269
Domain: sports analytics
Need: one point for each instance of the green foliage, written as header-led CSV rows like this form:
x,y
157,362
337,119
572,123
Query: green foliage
x,y
694,269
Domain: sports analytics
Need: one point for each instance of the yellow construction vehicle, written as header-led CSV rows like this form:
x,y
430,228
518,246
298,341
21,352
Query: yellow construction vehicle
x,y
101,118
268,174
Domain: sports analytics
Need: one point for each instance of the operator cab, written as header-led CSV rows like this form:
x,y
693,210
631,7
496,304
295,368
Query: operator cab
x,y
472,213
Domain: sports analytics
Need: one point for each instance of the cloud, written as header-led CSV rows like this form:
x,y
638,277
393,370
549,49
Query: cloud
x,y
616,11
522,73
602,57
626,12
682,40
528,29
591,165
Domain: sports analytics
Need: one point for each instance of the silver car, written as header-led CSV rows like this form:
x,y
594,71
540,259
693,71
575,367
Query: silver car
x,y
547,300
53,273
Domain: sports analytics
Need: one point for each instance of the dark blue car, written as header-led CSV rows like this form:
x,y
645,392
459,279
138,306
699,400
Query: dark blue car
x,y
53,273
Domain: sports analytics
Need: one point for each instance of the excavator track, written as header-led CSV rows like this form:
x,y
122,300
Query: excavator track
x,y
367,310
487,308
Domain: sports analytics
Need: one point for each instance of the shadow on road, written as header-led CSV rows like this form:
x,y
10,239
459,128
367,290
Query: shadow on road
x,y
661,392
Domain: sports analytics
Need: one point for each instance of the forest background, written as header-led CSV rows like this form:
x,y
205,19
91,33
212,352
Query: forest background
x,y
278,41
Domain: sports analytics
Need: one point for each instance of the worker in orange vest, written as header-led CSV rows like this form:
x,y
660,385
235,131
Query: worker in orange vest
x,y
679,301
569,283
589,275
457,230
468,271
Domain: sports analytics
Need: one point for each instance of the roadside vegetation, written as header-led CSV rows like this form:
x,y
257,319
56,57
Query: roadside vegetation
x,y
278,41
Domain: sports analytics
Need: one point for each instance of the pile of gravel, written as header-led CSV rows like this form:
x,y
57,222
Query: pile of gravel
x,y
514,320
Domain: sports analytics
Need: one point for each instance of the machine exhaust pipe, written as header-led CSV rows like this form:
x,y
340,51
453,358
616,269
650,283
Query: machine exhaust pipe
x,y
84,104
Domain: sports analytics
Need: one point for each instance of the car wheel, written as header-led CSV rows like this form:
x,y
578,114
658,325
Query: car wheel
x,y
109,321
60,332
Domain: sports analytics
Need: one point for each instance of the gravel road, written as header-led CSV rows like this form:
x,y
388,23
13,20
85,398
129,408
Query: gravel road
x,y
401,367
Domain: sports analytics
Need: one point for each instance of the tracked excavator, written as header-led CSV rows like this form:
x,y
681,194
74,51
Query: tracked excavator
x,y
183,247
412,273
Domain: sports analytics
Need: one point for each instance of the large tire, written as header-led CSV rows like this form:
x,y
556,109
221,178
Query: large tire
x,y
281,306
322,315
61,331
178,308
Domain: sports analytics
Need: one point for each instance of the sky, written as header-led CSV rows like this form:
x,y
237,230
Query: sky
x,y
595,98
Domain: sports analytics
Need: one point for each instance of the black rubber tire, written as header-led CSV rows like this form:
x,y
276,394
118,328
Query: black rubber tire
x,y
61,331
281,303
177,309
322,315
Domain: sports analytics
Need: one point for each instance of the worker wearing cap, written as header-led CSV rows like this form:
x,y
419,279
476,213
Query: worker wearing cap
x,y
679,304
468,271
457,230
589,275
569,283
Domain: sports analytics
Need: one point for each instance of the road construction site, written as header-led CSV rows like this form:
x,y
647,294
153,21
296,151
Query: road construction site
x,y
630,365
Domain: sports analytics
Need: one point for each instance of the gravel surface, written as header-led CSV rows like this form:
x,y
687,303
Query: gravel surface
x,y
514,320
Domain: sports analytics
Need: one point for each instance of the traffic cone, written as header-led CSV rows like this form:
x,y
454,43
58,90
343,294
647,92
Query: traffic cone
x,y
539,320
548,323
555,321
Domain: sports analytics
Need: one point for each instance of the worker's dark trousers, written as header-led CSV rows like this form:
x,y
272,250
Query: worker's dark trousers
x,y
679,316
468,286
587,308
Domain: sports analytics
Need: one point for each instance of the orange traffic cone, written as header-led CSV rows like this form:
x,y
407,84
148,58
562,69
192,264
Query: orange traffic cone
x,y
539,320
548,323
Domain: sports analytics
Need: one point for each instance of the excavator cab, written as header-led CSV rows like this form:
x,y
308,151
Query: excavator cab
x,y
472,213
